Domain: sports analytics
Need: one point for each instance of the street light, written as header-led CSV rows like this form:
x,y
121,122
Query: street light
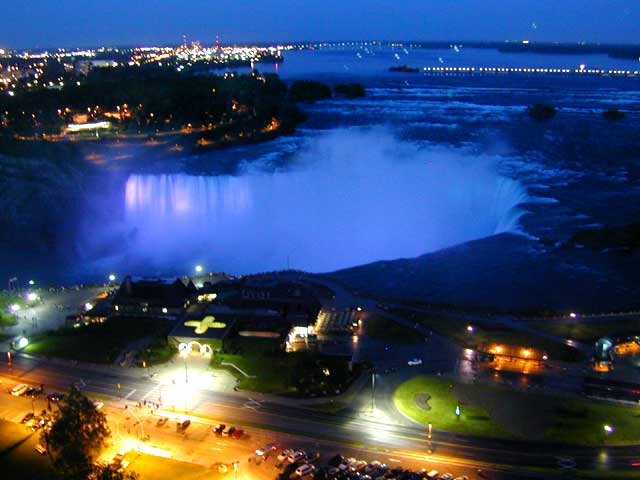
x,y
32,283
608,429
112,277
470,328
198,268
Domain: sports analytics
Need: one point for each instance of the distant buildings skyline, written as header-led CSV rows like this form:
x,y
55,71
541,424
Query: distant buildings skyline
x,y
77,23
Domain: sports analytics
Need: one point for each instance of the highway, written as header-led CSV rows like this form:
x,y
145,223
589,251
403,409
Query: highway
x,y
242,409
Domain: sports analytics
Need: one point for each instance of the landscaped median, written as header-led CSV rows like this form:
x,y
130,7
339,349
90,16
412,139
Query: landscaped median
x,y
499,412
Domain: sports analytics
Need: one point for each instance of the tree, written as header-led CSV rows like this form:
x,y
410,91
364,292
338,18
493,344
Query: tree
x,y
104,471
75,436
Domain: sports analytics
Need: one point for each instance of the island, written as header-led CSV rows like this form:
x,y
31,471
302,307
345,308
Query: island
x,y
199,110
404,69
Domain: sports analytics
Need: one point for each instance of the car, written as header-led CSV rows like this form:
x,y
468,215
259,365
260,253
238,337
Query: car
x,y
218,428
40,449
305,469
55,396
432,475
228,430
295,456
221,467
98,405
358,466
161,421
283,456
19,390
237,433
462,477
372,467
182,426
414,361
273,447
313,456
27,417
446,476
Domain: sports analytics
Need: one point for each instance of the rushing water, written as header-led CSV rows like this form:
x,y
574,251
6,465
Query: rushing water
x,y
351,197
419,164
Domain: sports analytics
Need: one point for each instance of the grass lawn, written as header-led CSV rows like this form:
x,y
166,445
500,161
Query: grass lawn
x,y
487,332
589,331
287,373
18,458
473,420
8,319
377,326
157,352
98,343
499,412
152,468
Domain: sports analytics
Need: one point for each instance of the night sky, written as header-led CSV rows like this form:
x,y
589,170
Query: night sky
x,y
46,23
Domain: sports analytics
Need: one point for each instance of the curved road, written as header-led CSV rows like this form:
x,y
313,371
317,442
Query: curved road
x,y
233,407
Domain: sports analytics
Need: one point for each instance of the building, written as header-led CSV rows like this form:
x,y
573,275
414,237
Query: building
x,y
152,298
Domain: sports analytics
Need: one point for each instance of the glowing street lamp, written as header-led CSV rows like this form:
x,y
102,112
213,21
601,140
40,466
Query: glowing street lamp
x,y
31,297
198,268
14,307
573,315
88,306
32,283
608,429
458,411
23,342
112,277
470,328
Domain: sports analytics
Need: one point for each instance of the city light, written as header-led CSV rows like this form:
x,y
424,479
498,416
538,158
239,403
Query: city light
x,y
198,268
13,308
112,277
31,297
573,315
88,306
609,429
23,342
469,328
31,282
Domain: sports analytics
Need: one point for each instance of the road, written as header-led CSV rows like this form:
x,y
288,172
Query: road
x,y
236,407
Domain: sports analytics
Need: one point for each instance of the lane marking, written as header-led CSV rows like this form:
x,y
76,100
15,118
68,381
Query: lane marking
x,y
130,393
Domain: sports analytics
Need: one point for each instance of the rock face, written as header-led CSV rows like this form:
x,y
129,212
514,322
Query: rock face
x,y
614,115
504,272
541,112
350,90
308,91
625,237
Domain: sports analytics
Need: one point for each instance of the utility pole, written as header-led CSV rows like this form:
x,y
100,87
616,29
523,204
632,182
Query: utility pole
x,y
373,391
429,439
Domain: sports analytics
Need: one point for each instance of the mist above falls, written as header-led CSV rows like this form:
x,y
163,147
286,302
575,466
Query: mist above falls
x,y
350,197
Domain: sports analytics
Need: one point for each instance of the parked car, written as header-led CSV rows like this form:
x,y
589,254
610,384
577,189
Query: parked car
x,y
27,417
432,475
372,467
19,390
284,455
446,476
237,433
161,421
40,449
55,396
221,467
295,456
358,466
98,405
305,469
219,428
228,431
182,426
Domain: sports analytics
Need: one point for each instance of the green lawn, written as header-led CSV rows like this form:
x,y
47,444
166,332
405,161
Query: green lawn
x,y
287,373
18,458
499,412
377,326
157,352
487,332
8,319
473,420
589,331
152,468
98,343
